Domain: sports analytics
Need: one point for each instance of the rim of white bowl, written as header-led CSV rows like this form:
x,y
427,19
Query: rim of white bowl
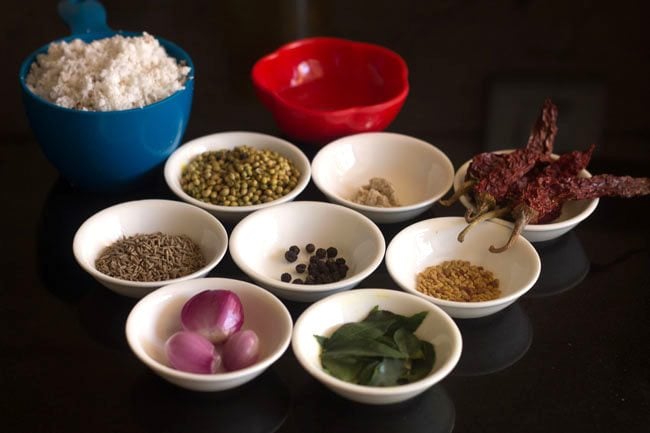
x,y
187,151
467,203
425,382
529,248
330,147
167,291
306,288
92,270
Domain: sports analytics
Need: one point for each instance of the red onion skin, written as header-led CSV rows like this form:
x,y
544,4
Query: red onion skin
x,y
240,350
192,353
215,314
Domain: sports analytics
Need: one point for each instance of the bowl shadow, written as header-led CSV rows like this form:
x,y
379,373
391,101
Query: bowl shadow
x,y
320,410
564,265
259,406
101,312
493,343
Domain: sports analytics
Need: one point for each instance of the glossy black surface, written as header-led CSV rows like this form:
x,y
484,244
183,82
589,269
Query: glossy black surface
x,y
570,356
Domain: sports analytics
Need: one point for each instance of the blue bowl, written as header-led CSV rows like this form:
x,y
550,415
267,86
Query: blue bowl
x,y
108,150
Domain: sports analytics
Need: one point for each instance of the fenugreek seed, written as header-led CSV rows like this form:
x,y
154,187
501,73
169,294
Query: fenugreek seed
x,y
458,280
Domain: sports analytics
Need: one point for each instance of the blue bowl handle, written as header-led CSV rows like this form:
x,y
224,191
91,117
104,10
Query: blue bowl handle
x,y
83,16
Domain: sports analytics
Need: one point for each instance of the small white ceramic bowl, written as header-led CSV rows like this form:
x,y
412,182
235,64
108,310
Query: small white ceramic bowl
x,y
573,212
158,315
430,242
142,217
259,241
420,173
326,315
229,140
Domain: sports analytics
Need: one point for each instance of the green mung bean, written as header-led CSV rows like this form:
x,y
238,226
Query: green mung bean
x,y
242,176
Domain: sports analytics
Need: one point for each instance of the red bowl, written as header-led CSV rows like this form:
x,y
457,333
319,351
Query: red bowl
x,y
319,89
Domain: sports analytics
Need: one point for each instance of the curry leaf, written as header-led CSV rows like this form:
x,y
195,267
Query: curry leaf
x,y
362,347
321,340
413,322
421,367
408,344
387,372
392,322
344,367
354,331
366,373
388,341
381,350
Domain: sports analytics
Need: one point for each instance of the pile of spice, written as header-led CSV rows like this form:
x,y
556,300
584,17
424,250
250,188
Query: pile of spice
x,y
116,73
322,267
378,192
150,257
242,176
458,280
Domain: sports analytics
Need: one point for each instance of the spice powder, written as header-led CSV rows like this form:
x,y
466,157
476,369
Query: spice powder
x,y
378,192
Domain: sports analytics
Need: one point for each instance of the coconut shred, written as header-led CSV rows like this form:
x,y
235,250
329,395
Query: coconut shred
x,y
116,73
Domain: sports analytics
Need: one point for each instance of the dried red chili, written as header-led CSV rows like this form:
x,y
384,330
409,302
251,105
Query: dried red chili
x,y
489,175
605,185
542,200
540,187
531,187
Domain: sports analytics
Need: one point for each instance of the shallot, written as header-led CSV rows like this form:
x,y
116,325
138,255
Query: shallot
x,y
193,353
240,350
215,314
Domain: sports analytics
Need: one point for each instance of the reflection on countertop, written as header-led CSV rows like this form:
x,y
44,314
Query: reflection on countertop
x,y
64,210
564,265
495,342
260,406
320,410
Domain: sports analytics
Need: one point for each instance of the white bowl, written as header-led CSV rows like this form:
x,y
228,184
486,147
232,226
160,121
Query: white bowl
x,y
148,216
157,316
420,173
326,315
430,242
259,241
229,140
573,212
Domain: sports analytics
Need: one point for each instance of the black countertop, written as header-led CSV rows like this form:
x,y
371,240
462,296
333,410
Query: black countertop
x,y
568,356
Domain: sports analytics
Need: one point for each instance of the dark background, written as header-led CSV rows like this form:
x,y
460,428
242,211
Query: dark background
x,y
479,71
464,57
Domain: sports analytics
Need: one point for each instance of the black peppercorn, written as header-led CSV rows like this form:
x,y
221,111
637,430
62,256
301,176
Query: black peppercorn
x,y
310,248
301,268
297,281
294,248
332,252
340,261
285,277
291,256
321,253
